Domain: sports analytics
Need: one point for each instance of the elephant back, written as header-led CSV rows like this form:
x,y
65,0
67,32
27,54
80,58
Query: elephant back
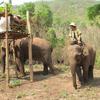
x,y
42,43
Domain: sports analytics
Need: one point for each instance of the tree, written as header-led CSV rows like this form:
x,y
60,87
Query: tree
x,y
94,13
42,19
10,9
1,9
43,14
51,36
21,10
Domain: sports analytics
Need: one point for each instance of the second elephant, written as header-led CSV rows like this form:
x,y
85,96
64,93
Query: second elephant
x,y
81,58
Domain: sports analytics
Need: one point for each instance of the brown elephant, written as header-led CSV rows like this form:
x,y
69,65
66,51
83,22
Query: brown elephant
x,y
81,61
41,51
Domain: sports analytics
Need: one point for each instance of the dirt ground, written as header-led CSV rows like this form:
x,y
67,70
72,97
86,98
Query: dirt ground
x,y
50,87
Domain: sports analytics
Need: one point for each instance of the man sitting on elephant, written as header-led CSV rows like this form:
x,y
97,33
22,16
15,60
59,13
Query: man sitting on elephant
x,y
75,34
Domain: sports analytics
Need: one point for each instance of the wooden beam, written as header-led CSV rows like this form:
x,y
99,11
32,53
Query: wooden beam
x,y
30,47
6,36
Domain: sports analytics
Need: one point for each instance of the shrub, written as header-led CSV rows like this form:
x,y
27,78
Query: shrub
x,y
51,36
97,63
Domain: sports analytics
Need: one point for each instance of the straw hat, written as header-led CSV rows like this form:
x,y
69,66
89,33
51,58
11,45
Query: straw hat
x,y
72,24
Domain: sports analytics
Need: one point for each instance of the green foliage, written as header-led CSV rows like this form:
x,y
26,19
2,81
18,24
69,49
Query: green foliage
x,y
15,82
97,20
41,17
51,36
98,60
20,95
24,7
94,13
61,41
43,14
9,8
1,9
56,20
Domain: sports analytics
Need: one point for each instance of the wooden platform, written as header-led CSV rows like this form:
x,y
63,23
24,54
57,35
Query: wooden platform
x,y
13,35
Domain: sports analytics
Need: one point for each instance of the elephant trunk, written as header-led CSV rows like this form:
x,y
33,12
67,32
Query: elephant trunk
x,y
73,72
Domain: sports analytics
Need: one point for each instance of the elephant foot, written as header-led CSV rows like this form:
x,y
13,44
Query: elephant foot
x,y
21,75
86,83
85,79
45,73
75,86
82,81
91,77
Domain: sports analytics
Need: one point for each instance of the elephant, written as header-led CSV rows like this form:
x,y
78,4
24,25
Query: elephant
x,y
41,51
81,60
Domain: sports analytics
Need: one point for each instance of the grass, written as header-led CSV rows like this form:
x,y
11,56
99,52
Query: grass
x,y
97,62
14,83
20,95
33,94
64,94
63,68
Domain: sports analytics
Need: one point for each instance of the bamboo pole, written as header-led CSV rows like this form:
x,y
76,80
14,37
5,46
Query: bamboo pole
x,y
6,36
30,47
14,58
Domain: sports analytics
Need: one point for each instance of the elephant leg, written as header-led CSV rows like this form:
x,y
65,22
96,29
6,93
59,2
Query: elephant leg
x,y
45,70
51,66
85,73
73,72
20,67
17,70
3,64
90,72
79,74
22,70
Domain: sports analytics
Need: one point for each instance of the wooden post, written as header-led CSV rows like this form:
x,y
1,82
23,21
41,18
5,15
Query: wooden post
x,y
7,51
30,47
14,58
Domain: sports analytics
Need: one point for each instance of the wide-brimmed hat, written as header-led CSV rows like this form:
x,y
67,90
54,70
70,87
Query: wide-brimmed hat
x,y
72,24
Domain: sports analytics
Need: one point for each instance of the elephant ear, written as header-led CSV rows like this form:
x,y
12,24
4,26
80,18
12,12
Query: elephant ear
x,y
85,51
